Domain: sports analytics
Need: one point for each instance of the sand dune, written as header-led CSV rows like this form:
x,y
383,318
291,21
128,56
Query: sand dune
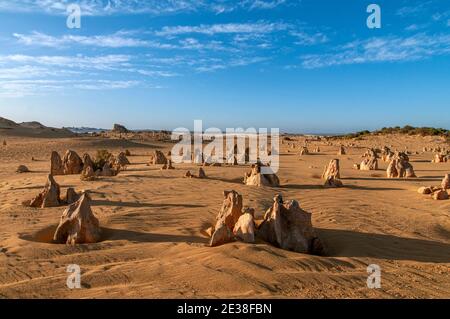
x,y
31,129
152,220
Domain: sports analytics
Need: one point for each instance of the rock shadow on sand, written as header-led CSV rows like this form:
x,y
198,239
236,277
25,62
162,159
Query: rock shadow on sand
x,y
345,243
355,187
45,236
141,205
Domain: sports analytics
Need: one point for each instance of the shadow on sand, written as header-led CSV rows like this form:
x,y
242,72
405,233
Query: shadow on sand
x,y
140,205
356,187
109,234
344,243
142,237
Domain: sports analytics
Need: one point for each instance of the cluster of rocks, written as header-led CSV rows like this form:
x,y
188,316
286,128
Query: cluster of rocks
x,y
331,175
285,225
386,154
289,227
256,178
440,158
437,193
369,162
50,196
158,158
201,174
72,163
399,167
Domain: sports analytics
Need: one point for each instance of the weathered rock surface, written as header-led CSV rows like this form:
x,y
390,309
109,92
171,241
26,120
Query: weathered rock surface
x,y
227,218
369,164
440,195
446,182
56,164
78,224
244,229
158,158
49,197
256,178
72,163
331,175
289,227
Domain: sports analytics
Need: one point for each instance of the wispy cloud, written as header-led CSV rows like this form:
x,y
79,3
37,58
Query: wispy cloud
x,y
36,87
102,62
217,64
131,7
413,10
117,40
304,38
382,49
229,28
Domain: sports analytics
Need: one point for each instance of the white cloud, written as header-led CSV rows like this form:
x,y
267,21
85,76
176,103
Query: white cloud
x,y
129,7
304,38
211,66
39,87
116,40
229,28
103,62
382,49
261,4
413,10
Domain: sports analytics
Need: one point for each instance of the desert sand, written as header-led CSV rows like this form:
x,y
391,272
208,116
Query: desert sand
x,y
153,244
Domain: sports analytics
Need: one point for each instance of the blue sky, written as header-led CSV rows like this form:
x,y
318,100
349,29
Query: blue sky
x,y
299,65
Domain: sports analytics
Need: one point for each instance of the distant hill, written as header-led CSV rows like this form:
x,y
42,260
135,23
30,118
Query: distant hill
x,y
31,129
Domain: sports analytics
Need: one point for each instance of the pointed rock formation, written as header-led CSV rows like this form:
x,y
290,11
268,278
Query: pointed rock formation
x,y
121,162
49,197
87,161
107,170
369,164
256,178
244,229
88,174
341,150
78,224
201,173
72,163
56,164
71,196
158,158
289,227
446,182
227,218
331,175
